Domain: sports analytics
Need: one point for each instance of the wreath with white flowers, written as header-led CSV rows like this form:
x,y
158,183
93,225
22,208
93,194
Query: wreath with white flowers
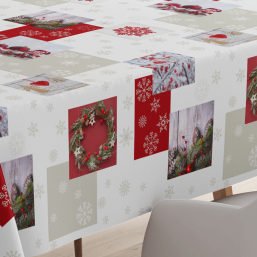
x,y
105,150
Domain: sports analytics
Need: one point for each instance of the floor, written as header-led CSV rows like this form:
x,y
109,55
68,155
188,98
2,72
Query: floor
x,y
125,240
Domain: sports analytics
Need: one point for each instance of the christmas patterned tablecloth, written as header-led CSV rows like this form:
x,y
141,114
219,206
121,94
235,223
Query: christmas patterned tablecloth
x,y
109,106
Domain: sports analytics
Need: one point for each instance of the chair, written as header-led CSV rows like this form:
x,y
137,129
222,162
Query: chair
x,y
226,227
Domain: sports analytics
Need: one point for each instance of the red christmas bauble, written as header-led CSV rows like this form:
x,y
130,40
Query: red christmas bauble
x,y
100,158
189,168
20,48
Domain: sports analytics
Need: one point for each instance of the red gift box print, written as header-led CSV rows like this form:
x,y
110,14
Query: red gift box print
x,y
151,119
92,137
190,139
18,174
170,70
3,122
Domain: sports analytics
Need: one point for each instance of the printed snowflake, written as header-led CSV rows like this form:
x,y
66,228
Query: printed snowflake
x,y
78,194
228,159
169,192
240,75
61,72
66,55
127,210
143,187
126,137
163,122
129,78
251,138
144,90
141,211
105,220
201,90
63,187
127,102
33,104
84,214
191,190
38,243
155,105
53,155
151,142
217,134
102,202
213,181
216,77
105,86
16,143
53,245
61,127
45,2
39,191
226,183
69,63
124,188
12,254
108,183
142,121
238,131
232,56
133,31
53,218
232,101
253,157
5,197
13,97
33,129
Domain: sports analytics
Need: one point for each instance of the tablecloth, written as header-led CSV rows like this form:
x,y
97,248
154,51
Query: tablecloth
x,y
109,106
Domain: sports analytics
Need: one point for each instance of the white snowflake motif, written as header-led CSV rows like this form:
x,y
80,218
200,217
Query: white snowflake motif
x,y
108,183
102,202
151,142
216,77
251,138
61,127
238,131
127,102
4,197
124,188
84,214
105,86
169,192
78,194
253,157
69,63
33,129
13,254
105,220
228,159
191,190
53,217
66,55
129,78
38,243
217,54
213,181
126,137
53,245
143,187
232,56
201,90
240,75
63,187
217,134
39,191
33,104
16,143
155,105
144,90
53,155
232,101
142,121
127,210
163,122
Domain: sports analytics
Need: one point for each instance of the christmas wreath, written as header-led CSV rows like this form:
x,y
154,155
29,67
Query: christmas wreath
x,y
252,91
199,156
105,150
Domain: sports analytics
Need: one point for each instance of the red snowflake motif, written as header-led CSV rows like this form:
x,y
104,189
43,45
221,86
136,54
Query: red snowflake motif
x,y
133,31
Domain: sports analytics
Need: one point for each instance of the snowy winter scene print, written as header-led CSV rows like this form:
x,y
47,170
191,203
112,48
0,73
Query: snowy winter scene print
x,y
223,37
170,70
49,20
28,48
198,8
18,174
3,122
190,140
92,137
45,84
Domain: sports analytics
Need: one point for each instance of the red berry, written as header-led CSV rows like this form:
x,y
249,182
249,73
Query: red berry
x,y
184,149
22,200
106,148
85,160
89,154
208,149
96,153
183,137
15,215
83,132
22,210
102,110
32,221
202,143
77,131
27,226
179,174
24,213
101,121
100,158
85,116
209,162
203,155
195,156
193,161
185,142
168,166
29,207
185,156
104,113
20,194
201,151
201,136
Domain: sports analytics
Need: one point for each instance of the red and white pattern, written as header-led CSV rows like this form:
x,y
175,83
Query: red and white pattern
x,y
134,31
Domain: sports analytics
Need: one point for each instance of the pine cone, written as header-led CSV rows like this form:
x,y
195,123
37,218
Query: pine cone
x,y
209,124
109,117
14,193
98,112
87,122
82,120
107,112
196,136
113,127
29,179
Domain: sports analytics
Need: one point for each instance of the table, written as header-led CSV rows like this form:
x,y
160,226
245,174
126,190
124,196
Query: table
x,y
109,106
